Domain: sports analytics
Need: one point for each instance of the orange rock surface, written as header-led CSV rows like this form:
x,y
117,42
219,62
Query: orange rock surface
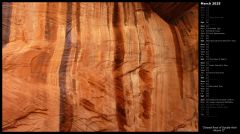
x,y
99,67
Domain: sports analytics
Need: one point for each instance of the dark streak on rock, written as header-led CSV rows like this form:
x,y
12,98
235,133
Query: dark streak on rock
x,y
78,17
74,85
107,15
147,10
145,76
6,22
135,17
50,26
145,72
118,60
125,13
175,129
178,59
146,101
66,109
78,32
88,105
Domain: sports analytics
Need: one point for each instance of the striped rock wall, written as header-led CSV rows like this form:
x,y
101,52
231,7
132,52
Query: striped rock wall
x,y
98,67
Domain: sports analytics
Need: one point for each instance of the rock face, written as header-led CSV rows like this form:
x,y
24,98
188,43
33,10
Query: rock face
x,y
99,67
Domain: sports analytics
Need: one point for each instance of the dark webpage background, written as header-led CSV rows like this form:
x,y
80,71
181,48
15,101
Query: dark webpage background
x,y
223,117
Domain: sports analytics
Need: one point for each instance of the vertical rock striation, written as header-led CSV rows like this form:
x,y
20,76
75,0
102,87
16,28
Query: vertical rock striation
x,y
100,66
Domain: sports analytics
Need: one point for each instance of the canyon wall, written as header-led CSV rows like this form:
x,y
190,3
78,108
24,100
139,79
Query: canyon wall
x,y
99,67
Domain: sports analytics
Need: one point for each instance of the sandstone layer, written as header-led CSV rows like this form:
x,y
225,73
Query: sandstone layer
x,y
99,67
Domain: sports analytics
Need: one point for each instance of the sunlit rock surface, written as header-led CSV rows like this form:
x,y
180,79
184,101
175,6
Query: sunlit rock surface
x,y
99,67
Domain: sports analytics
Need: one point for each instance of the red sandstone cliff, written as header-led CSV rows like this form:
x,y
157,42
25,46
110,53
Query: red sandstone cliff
x,y
100,67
